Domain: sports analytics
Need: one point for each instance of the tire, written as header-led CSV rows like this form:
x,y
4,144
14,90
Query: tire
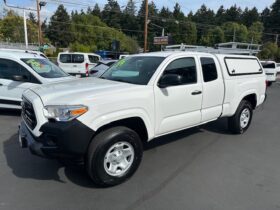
x,y
114,144
269,84
235,124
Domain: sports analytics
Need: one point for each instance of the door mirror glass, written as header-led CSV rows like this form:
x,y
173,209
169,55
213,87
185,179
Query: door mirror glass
x,y
18,78
170,80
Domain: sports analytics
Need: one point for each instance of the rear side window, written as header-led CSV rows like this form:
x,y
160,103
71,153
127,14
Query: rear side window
x,y
184,67
77,58
268,65
242,66
65,58
93,59
209,69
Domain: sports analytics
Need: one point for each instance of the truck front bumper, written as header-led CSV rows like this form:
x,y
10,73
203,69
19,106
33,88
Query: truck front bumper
x,y
58,139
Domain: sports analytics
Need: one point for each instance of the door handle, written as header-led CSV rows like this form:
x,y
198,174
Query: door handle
x,y
197,92
1,84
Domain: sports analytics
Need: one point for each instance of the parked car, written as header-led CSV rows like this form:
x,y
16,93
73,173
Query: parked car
x,y
24,51
270,71
101,67
106,120
123,56
77,63
22,70
278,67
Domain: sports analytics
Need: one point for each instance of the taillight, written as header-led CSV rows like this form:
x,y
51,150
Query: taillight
x,y
87,70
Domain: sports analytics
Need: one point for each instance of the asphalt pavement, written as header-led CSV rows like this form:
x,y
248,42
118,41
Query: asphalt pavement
x,y
201,169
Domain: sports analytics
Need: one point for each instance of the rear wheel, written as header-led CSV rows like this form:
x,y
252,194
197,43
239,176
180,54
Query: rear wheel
x,y
113,156
241,120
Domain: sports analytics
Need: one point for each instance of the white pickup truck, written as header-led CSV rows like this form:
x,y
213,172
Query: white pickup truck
x,y
105,120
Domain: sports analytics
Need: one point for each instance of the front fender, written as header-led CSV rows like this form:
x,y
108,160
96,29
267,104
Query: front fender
x,y
108,118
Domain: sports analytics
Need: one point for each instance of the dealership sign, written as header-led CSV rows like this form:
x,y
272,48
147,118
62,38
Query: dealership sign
x,y
162,40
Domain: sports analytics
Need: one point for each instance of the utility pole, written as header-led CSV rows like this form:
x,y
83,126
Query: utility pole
x,y
234,34
25,30
39,24
276,39
146,26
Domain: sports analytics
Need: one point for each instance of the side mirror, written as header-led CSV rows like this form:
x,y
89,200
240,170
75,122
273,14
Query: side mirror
x,y
18,78
170,80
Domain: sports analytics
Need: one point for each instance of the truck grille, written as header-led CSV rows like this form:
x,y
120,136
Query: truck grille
x,y
28,113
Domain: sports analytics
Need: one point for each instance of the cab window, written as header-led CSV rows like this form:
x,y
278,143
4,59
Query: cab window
x,y
209,69
185,67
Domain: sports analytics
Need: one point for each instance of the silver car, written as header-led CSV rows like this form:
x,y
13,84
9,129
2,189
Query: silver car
x,y
101,67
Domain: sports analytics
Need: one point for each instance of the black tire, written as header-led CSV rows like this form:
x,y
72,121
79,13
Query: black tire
x,y
98,148
234,123
269,84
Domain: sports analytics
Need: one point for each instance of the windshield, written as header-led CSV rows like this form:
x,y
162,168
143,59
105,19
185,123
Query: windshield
x,y
268,65
45,68
135,70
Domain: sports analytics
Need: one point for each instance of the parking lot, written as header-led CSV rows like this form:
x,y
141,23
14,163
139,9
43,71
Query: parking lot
x,y
201,168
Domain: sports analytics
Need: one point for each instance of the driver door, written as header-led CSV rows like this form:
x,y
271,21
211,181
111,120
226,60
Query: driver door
x,y
10,88
179,106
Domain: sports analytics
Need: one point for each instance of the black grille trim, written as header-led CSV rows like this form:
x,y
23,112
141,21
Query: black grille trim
x,y
28,113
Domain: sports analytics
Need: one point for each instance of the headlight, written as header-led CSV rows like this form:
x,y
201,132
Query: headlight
x,y
64,112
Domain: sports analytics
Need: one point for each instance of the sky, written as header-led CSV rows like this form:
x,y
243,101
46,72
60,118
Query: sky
x,y
186,5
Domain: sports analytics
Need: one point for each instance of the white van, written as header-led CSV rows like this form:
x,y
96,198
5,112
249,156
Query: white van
x,y
20,71
278,67
77,63
270,71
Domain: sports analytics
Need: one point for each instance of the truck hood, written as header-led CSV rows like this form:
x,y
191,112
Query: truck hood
x,y
78,91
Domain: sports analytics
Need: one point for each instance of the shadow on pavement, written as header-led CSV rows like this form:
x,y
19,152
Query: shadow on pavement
x,y
219,126
27,166
10,112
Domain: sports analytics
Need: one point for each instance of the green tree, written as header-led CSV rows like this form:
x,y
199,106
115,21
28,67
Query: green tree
x,y
96,10
32,17
235,32
220,16
233,14
130,8
255,32
214,36
274,17
248,16
58,28
11,28
270,51
111,14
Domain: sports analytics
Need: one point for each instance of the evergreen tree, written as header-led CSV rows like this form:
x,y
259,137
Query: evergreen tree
x,y
233,14
32,17
248,17
274,17
111,14
58,30
130,8
177,13
220,16
96,10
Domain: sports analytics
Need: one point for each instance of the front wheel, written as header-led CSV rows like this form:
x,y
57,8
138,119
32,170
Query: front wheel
x,y
113,156
241,120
